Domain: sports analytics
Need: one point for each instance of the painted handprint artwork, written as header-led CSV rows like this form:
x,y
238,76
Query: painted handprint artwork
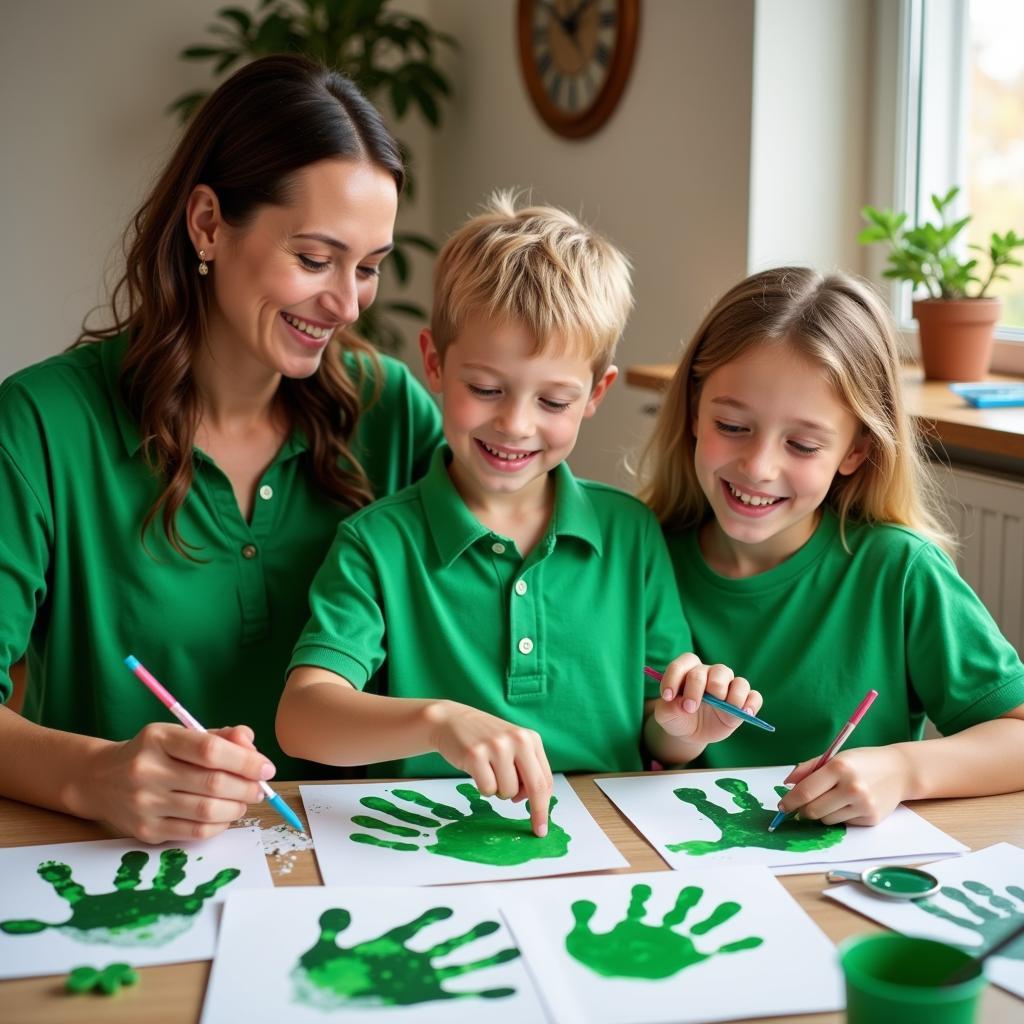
x,y
980,900
114,900
650,949
439,831
715,819
360,954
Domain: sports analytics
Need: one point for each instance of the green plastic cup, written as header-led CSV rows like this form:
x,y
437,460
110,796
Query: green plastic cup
x,y
896,979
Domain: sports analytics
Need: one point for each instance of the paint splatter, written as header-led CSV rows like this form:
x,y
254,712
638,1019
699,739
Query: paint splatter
x,y
748,826
128,916
108,981
999,918
632,949
384,971
483,836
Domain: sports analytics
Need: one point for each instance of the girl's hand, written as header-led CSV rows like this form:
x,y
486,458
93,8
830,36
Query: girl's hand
x,y
680,712
860,787
170,783
503,759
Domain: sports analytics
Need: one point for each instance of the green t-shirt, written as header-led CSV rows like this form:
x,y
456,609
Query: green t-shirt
x,y
555,642
80,592
818,631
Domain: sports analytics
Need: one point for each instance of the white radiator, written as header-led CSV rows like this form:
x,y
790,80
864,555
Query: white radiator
x,y
987,513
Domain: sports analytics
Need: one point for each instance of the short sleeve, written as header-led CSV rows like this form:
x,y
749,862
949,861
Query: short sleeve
x,y
958,662
345,631
26,527
397,434
667,631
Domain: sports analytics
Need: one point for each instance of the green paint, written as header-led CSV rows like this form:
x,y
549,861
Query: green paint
x,y
483,836
990,926
748,826
109,981
907,881
128,916
633,949
384,971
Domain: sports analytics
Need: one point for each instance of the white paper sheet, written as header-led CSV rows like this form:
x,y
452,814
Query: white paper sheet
x,y
687,831
441,834
984,914
609,969
348,968
109,919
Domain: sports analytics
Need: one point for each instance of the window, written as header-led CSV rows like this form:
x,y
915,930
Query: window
x,y
963,122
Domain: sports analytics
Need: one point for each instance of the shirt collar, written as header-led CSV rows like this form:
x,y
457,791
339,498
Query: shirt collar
x,y
112,354
454,528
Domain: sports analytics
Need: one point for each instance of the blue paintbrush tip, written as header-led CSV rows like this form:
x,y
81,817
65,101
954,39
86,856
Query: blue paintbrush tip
x,y
777,821
286,812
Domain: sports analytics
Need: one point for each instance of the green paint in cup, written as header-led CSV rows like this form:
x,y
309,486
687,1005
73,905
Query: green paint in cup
x,y
896,979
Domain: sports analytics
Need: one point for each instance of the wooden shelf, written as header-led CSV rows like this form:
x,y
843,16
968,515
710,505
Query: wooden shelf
x,y
943,414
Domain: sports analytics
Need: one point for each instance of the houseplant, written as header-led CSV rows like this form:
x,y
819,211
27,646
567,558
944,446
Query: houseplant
x,y
392,56
956,317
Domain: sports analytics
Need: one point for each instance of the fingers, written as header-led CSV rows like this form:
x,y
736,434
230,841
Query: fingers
x,y
675,674
538,783
814,786
211,751
800,772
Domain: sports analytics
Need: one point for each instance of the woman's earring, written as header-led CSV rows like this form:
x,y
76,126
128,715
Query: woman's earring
x,y
204,267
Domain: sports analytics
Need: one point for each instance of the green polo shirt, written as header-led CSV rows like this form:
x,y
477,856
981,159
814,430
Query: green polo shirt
x,y
79,591
555,642
818,631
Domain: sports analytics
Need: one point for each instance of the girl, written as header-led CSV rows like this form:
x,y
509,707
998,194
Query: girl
x,y
171,484
794,497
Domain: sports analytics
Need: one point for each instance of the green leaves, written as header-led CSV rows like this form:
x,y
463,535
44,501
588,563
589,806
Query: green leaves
x,y
924,255
390,55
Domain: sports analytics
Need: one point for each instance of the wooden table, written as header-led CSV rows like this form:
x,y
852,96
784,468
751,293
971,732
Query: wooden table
x,y
173,994
943,414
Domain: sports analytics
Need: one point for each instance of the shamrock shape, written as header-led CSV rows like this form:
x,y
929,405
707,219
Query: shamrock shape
x,y
749,825
128,916
990,926
633,949
482,836
109,981
384,971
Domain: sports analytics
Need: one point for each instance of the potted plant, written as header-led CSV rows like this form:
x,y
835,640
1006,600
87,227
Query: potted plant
x,y
957,317
392,56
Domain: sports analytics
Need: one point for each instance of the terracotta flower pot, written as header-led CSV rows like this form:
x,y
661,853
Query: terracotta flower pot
x,y
957,336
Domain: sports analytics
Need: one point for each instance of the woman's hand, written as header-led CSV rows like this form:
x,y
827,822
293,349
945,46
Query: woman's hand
x,y
680,712
859,787
503,759
170,783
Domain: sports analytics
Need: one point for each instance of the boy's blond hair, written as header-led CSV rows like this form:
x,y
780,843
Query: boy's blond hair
x,y
539,267
840,324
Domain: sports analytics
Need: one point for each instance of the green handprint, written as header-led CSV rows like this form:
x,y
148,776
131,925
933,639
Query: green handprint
x,y
990,926
749,825
384,971
633,949
482,836
128,916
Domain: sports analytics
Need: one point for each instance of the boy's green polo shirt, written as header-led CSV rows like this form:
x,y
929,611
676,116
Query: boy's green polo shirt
x,y
80,592
822,628
555,642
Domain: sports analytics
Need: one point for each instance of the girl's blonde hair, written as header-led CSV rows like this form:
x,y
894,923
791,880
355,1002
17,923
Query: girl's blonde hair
x,y
841,325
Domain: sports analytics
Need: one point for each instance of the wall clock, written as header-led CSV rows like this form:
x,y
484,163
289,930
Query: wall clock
x,y
576,56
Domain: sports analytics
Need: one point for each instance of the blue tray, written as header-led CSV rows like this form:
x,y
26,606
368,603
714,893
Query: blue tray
x,y
990,396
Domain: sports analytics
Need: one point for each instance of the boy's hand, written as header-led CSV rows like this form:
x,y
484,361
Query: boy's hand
x,y
170,783
503,759
680,712
859,787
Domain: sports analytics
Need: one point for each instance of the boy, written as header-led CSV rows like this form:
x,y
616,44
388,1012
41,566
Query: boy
x,y
516,605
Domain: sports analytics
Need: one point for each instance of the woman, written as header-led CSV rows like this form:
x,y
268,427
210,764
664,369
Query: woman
x,y
171,483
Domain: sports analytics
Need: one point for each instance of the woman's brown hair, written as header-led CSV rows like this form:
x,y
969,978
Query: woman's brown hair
x,y
267,121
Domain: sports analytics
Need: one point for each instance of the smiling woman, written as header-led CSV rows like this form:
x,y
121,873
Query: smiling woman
x,y
227,400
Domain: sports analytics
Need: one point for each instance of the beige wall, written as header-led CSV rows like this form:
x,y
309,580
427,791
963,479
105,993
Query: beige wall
x,y
672,178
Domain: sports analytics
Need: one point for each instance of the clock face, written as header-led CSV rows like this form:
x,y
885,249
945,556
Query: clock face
x,y
576,56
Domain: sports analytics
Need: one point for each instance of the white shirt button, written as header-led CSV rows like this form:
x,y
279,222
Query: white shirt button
x,y
525,645
249,551
266,492
498,548
520,587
